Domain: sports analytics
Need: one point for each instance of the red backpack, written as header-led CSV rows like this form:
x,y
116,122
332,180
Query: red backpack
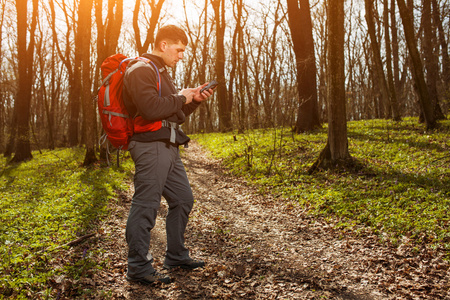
x,y
116,121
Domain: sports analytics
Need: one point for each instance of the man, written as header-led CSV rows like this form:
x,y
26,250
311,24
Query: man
x,y
150,95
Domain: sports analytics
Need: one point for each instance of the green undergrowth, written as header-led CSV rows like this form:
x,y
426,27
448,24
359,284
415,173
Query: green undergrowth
x,y
401,188
45,203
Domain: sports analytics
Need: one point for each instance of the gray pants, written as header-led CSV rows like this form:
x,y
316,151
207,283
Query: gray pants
x,y
159,172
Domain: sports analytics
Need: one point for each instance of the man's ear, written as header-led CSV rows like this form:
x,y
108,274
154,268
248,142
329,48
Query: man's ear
x,y
163,46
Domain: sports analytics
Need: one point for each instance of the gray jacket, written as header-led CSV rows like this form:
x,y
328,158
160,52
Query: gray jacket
x,y
141,97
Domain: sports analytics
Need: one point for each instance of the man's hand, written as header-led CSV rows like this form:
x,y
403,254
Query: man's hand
x,y
199,97
189,94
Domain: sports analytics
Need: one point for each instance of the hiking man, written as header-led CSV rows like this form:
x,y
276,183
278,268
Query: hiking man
x,y
150,95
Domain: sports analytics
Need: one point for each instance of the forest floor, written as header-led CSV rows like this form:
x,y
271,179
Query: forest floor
x,y
260,247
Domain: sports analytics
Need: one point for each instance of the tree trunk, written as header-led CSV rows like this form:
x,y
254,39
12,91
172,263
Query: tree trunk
x,y
377,61
108,31
431,61
233,75
252,115
74,103
302,37
73,72
390,77
444,48
421,86
44,95
2,98
336,150
202,71
9,150
268,89
149,38
323,114
25,56
224,105
241,63
395,54
53,100
84,32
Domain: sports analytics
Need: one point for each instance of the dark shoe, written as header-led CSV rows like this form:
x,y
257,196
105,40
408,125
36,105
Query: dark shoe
x,y
190,265
149,279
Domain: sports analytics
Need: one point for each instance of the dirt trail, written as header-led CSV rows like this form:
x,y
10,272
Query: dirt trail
x,y
258,247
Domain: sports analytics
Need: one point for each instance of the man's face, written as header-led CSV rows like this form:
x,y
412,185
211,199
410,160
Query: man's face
x,y
172,53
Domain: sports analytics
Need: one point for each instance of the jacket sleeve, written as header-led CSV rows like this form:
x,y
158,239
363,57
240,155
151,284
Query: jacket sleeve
x,y
141,85
189,108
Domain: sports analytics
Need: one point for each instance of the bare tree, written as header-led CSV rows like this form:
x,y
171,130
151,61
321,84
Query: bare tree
x,y
224,104
431,58
388,94
2,98
321,44
302,37
45,88
155,7
336,150
251,49
395,53
205,119
420,85
390,77
253,84
444,47
240,15
270,88
108,30
72,63
237,12
191,72
83,51
25,54
252,93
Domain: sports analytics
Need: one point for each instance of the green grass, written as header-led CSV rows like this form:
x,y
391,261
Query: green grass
x,y
402,189
45,203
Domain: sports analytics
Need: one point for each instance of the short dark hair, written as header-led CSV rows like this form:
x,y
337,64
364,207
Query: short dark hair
x,y
171,33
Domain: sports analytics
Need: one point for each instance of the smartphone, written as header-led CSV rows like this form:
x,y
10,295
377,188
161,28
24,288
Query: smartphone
x,y
212,84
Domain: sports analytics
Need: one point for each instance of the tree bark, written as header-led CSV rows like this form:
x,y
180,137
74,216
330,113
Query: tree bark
x,y
149,38
45,92
252,116
336,150
89,120
73,67
444,47
268,90
224,105
234,59
395,54
241,63
302,37
25,54
202,72
431,58
108,31
420,84
2,98
390,77
378,63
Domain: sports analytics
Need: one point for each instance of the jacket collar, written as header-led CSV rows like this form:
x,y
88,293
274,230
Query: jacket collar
x,y
157,60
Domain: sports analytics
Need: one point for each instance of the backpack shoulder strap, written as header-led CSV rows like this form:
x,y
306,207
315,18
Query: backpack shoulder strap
x,y
158,75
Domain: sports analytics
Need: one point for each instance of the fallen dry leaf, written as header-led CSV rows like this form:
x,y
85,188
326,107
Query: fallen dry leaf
x,y
260,247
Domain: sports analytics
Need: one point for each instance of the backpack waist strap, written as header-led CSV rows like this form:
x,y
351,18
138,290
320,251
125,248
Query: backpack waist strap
x,y
173,126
